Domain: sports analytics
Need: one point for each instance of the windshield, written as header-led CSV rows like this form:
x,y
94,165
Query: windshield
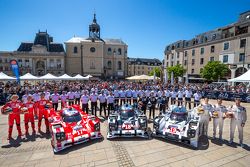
x,y
72,118
127,114
178,117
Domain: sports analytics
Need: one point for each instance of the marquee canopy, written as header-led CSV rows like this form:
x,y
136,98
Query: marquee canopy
x,y
3,76
243,78
28,76
48,77
65,77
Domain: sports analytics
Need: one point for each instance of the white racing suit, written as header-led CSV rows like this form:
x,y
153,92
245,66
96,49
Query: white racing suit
x,y
204,118
239,118
221,110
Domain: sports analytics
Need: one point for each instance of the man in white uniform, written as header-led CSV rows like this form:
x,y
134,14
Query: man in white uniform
x,y
85,102
205,117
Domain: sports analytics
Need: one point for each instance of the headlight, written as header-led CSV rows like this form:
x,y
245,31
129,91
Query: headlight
x,y
60,136
191,133
97,127
143,123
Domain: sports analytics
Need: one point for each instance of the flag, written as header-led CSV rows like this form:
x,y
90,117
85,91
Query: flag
x,y
154,75
172,78
15,69
165,76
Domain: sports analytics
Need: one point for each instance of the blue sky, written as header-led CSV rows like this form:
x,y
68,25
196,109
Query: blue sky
x,y
147,26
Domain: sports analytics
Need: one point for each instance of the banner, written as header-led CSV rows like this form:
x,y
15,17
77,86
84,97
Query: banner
x,y
226,95
15,69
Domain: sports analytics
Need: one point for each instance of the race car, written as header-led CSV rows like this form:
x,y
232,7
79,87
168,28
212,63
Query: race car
x,y
127,121
72,126
179,125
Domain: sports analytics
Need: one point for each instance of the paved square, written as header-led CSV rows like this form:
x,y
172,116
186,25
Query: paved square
x,y
124,152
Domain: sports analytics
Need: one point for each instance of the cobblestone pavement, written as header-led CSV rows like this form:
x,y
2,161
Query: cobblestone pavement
x,y
36,151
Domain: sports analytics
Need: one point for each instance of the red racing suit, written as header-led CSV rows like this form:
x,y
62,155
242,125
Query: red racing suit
x,y
14,116
43,113
29,116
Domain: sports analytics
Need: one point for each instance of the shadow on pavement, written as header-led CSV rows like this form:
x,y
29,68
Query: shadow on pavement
x,y
13,143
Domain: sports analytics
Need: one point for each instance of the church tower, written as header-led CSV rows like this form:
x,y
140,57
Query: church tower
x,y
94,30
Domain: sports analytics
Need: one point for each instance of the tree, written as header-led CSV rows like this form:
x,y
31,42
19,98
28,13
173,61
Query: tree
x,y
178,71
157,72
214,70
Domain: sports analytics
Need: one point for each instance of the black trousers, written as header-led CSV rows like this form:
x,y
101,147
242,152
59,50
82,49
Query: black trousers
x,y
103,106
196,103
110,107
122,101
188,100
180,101
77,101
134,100
93,107
152,111
173,100
55,106
85,108
129,100
117,100
71,102
163,108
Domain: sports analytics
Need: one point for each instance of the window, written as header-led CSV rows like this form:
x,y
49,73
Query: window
x,y
178,62
1,68
51,63
185,62
20,61
225,58
178,55
186,53
58,63
172,56
138,67
226,45
6,60
92,65
214,37
243,43
193,61
212,49
92,49
109,50
142,67
27,61
192,71
119,51
75,49
167,57
193,52
119,65
211,58
202,51
241,57
167,64
202,61
172,63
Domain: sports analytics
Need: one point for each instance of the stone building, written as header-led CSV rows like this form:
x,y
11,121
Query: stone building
x,y
229,44
104,58
39,57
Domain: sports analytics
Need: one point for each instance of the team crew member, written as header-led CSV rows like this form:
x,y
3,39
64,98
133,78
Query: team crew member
x,y
143,101
135,95
219,114
63,98
129,95
85,102
110,102
71,96
197,98
102,100
238,120
180,97
167,93
25,97
55,98
205,117
36,97
152,100
29,115
116,95
173,94
188,95
43,113
122,94
93,99
77,97
163,102
13,105
47,95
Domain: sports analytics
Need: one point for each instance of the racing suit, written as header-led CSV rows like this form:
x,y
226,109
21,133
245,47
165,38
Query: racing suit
x,y
29,116
239,118
205,118
42,113
221,110
14,116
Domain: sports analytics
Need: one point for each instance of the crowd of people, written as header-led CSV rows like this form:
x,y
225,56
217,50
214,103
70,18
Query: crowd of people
x,y
94,96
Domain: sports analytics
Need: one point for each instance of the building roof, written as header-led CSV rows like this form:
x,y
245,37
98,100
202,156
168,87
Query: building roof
x,y
107,41
144,61
42,38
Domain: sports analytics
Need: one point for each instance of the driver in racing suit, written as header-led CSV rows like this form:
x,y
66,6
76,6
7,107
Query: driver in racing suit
x,y
29,115
15,105
205,117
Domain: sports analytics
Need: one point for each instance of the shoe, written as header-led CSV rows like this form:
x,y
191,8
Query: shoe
x,y
34,132
27,134
214,137
242,145
230,142
9,138
39,131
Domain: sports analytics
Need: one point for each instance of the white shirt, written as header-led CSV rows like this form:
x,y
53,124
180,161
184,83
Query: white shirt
x,y
77,94
63,97
134,94
55,97
122,94
180,94
47,95
93,97
71,95
110,99
197,96
25,98
116,93
129,93
36,97
173,94
85,99
102,98
188,93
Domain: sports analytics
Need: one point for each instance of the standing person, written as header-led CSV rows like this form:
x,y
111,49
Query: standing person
x,y
29,116
163,102
205,117
152,100
122,95
238,120
77,97
25,97
42,113
134,95
219,114
55,98
116,95
102,100
143,101
36,97
110,102
93,99
173,95
71,96
85,102
129,95
167,93
14,105
188,94
47,94
63,98
180,96
197,98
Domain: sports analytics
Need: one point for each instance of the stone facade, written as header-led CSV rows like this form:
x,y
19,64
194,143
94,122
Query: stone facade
x,y
229,44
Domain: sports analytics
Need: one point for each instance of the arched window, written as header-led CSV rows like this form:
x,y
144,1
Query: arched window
x,y
119,51
119,65
75,49
109,64
109,50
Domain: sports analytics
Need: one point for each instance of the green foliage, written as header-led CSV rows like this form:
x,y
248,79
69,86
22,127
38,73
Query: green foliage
x,y
214,70
157,72
178,71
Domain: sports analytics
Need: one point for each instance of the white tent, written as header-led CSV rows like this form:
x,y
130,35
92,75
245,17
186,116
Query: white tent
x,y
48,77
65,77
243,78
79,77
5,77
28,76
89,76
132,77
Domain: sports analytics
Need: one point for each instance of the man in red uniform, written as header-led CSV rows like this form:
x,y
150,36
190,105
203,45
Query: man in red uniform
x,y
13,106
42,112
29,115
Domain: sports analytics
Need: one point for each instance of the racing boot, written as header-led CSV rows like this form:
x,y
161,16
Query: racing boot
x,y
19,130
10,133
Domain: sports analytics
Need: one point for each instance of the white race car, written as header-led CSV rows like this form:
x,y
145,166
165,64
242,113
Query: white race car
x,y
179,125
